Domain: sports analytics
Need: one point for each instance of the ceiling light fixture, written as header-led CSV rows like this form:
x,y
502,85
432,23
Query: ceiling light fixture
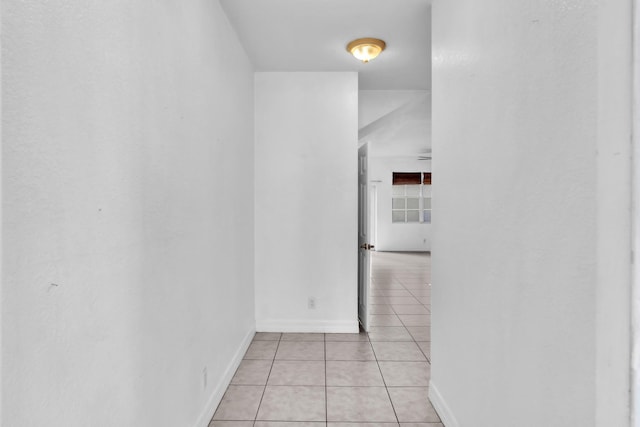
x,y
366,49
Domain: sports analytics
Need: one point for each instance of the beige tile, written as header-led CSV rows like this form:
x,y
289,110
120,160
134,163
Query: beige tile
x,y
420,333
262,350
405,374
231,424
421,425
424,299
267,336
398,351
300,350
409,309
252,372
384,320
239,403
380,309
389,333
420,292
413,275
288,424
402,296
360,350
354,404
412,284
395,293
425,346
402,300
387,285
296,372
353,373
362,424
415,319
412,404
417,285
293,403
380,276
302,337
346,337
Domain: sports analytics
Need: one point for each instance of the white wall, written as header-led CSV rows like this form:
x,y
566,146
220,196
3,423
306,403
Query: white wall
x,y
613,331
306,201
128,211
375,104
514,237
390,236
634,307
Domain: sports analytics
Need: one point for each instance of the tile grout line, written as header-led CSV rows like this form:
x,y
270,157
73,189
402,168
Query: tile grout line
x,y
414,340
273,361
346,386
376,358
384,382
326,391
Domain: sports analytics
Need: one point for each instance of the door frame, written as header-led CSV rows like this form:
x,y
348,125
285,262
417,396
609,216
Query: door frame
x,y
372,214
363,228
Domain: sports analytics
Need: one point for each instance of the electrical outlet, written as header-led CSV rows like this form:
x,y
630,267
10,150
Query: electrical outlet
x,y
311,303
204,377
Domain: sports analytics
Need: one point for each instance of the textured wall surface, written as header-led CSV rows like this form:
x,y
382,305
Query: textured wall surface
x,y
128,211
306,201
615,214
514,241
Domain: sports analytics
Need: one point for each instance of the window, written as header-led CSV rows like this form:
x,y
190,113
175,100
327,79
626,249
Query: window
x,y
411,197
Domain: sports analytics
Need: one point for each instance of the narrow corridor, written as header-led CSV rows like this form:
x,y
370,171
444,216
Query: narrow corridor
x,y
375,379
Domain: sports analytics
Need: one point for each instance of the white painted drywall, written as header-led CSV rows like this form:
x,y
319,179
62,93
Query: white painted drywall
x,y
375,104
635,212
128,211
514,220
613,294
390,236
306,201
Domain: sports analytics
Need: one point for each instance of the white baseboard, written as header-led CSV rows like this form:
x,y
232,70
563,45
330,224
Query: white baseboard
x,y
221,387
443,410
328,326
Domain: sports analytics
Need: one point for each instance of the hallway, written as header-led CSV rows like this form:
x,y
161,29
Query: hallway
x,y
345,379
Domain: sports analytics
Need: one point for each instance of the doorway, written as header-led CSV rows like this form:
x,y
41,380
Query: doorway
x,y
400,302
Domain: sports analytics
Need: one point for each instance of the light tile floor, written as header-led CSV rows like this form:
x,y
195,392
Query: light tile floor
x,y
339,380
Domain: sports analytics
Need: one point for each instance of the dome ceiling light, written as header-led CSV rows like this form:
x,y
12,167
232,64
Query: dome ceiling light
x,y
366,49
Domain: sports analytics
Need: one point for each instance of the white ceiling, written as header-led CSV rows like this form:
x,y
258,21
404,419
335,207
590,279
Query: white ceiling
x,y
311,35
404,131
